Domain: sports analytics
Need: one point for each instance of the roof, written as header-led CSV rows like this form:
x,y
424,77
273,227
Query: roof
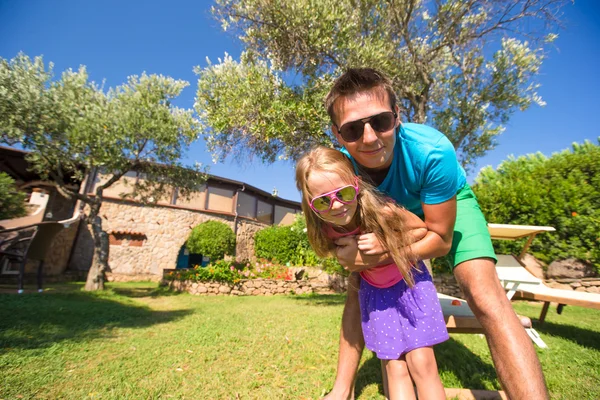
x,y
12,161
253,189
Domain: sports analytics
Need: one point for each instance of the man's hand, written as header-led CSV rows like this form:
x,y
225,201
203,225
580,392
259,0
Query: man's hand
x,y
351,258
370,245
416,234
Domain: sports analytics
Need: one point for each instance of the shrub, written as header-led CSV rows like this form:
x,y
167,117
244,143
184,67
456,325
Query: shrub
x,y
232,272
212,239
562,191
289,245
12,202
276,243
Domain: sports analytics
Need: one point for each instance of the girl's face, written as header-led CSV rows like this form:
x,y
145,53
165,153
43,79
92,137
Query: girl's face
x,y
321,182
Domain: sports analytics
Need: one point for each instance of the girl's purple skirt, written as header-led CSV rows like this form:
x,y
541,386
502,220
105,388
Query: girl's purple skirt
x,y
399,319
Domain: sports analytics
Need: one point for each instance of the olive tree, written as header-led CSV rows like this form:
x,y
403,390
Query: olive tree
x,y
71,127
462,66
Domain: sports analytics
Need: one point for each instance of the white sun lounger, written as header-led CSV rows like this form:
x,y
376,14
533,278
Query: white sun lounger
x,y
460,319
458,316
521,283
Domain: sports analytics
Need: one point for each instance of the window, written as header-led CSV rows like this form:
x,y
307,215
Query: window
x,y
246,205
220,199
113,240
264,212
284,215
125,238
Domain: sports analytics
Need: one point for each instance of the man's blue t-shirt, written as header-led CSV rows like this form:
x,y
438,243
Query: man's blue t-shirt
x,y
424,168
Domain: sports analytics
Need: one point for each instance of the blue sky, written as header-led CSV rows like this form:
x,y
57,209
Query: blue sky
x,y
115,39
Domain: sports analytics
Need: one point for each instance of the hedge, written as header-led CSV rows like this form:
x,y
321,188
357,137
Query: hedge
x,y
562,191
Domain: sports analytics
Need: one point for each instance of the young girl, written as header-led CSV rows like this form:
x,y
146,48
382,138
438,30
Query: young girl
x,y
401,315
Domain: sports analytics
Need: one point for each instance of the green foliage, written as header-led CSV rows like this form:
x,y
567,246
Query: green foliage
x,y
218,271
212,239
276,243
562,191
71,126
452,64
289,245
285,244
232,272
12,202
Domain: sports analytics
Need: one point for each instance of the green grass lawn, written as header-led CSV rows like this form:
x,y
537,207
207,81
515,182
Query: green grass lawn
x,y
137,341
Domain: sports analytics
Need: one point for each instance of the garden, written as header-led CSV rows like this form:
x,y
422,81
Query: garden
x,y
145,340
142,341
284,264
214,331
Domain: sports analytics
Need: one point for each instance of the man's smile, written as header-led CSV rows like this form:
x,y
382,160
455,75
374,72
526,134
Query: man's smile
x,y
372,152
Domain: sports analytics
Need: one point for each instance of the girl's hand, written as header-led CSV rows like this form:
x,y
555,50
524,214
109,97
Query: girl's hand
x,y
352,259
370,245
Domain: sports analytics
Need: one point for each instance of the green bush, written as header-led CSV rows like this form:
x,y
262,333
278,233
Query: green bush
x,y
212,239
562,191
12,202
231,272
289,245
276,243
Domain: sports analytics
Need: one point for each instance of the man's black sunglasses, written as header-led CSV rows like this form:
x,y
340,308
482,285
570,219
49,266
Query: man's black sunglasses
x,y
352,131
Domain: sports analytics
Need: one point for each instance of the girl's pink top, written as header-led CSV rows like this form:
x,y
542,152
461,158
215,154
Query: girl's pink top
x,y
381,276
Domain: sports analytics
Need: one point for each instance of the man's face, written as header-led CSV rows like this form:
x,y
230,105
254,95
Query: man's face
x,y
373,150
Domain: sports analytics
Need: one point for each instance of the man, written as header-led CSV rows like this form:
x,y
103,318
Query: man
x,y
417,166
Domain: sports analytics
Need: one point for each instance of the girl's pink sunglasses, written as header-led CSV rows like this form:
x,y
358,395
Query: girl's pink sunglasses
x,y
345,195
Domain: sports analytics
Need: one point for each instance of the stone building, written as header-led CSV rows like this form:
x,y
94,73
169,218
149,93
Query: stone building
x,y
45,204
146,239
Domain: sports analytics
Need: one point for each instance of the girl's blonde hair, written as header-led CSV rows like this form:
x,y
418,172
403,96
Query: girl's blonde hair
x,y
370,211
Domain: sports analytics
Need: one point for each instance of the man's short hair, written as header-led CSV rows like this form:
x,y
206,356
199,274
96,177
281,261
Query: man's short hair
x,y
356,80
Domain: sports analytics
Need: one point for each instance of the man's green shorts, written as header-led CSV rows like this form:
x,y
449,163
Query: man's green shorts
x,y
471,236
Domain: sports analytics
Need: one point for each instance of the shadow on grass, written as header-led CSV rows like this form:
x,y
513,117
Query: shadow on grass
x,y
136,292
369,373
31,321
470,370
583,337
11,288
452,356
321,299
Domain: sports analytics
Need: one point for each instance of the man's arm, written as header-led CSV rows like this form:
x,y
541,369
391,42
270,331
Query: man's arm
x,y
439,219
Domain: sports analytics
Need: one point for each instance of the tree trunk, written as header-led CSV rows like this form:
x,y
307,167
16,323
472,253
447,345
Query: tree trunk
x,y
95,279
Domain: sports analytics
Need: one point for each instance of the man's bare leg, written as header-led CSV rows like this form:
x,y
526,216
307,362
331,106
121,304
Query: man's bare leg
x,y
514,357
386,389
351,344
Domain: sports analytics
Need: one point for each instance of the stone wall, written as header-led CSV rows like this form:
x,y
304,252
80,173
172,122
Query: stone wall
x,y
446,284
163,229
110,277
252,287
320,282
60,250
245,239
306,280
590,285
